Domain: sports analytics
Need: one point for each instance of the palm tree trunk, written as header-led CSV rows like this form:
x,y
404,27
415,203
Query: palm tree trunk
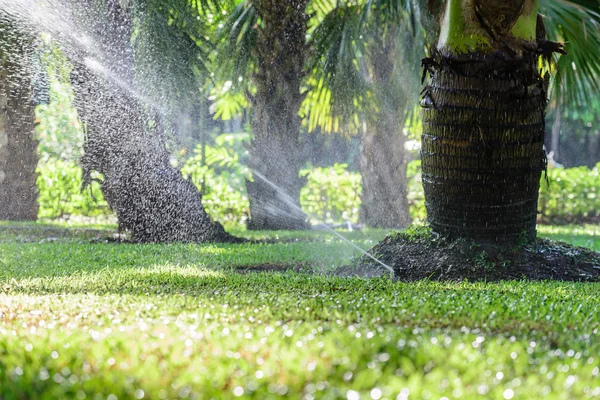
x,y
483,135
383,170
555,144
275,151
18,146
150,197
383,155
596,156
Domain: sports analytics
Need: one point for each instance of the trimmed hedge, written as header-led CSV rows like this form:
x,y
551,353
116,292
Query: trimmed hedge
x,y
331,195
570,195
60,194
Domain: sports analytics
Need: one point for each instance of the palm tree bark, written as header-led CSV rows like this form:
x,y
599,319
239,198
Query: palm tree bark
x,y
383,156
18,146
275,151
555,139
483,135
383,170
150,197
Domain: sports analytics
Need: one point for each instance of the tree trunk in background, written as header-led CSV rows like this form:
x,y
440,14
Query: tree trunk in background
x,y
149,196
275,152
483,126
597,152
18,146
383,155
555,144
383,169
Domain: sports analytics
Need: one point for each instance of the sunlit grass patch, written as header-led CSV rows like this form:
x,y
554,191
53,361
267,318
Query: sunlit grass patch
x,y
267,336
584,235
52,259
81,319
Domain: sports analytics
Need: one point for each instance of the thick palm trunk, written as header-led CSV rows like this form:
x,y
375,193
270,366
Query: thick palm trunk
x,y
555,138
483,150
150,197
275,154
383,169
18,146
274,192
483,134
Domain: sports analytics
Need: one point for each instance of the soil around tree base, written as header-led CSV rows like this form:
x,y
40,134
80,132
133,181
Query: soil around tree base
x,y
419,257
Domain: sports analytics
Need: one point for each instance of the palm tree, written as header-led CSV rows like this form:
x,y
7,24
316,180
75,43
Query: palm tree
x,y
573,87
367,51
266,41
280,64
125,130
484,110
18,147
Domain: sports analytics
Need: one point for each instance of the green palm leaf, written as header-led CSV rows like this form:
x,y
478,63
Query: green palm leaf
x,y
237,40
343,42
577,23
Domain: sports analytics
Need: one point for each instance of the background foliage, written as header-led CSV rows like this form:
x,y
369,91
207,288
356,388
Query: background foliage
x,y
571,195
60,195
331,195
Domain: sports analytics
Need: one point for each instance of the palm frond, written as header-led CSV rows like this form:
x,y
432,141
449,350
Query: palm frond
x,y
577,23
391,11
338,83
238,38
171,44
348,41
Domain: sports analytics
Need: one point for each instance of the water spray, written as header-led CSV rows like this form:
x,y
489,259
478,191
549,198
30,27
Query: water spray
x,y
289,201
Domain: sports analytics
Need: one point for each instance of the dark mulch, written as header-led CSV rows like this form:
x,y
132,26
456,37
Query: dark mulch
x,y
427,256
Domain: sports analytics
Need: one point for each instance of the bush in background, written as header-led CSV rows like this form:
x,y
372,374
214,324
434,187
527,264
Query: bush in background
x,y
220,176
570,195
331,195
60,195
416,194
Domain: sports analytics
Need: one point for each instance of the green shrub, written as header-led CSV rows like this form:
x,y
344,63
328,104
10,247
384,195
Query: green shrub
x,y
416,195
331,194
570,195
220,176
59,186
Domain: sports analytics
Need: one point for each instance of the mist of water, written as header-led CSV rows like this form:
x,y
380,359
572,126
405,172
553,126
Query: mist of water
x,y
56,18
289,201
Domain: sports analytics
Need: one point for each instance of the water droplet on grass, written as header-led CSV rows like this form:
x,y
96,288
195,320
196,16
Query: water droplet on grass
x,y
352,395
376,394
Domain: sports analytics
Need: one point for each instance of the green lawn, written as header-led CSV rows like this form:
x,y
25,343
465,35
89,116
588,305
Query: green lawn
x,y
82,317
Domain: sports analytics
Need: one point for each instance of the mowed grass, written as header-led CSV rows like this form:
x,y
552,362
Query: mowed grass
x,y
82,317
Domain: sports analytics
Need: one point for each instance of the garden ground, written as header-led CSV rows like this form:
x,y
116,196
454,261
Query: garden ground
x,y
84,317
